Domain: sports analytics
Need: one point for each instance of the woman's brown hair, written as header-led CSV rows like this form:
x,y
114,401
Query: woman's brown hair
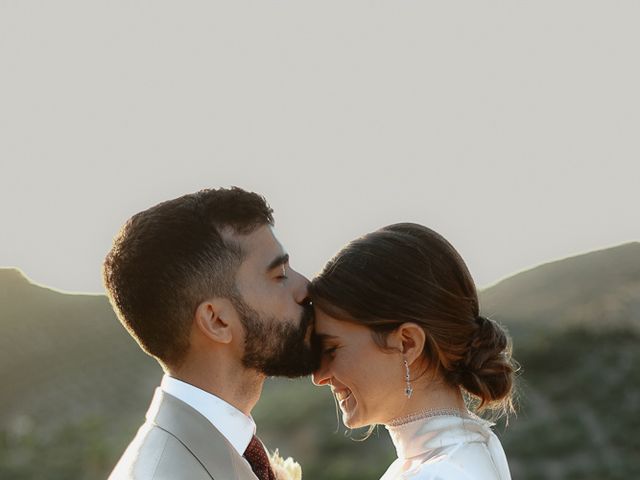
x,y
408,273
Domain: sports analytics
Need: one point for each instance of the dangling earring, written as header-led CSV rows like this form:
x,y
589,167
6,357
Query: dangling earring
x,y
408,389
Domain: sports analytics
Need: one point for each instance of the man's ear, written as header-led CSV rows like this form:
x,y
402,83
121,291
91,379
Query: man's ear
x,y
410,339
212,320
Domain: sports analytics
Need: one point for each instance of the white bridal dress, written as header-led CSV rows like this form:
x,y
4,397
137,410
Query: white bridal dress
x,y
447,447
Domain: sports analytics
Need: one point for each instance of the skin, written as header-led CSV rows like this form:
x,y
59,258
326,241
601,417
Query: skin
x,y
271,287
369,382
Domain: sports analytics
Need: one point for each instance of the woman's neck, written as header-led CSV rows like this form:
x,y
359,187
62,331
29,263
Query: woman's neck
x,y
432,396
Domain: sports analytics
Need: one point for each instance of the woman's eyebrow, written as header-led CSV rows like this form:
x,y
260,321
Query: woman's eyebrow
x,y
326,336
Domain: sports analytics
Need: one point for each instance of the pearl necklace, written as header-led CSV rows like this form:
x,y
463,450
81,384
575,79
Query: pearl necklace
x,y
428,413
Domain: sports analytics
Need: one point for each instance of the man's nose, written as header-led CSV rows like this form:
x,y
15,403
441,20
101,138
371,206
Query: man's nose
x,y
301,292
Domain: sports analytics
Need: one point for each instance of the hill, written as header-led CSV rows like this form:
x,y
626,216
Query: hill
x,y
76,386
598,291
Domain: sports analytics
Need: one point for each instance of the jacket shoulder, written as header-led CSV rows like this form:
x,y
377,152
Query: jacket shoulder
x,y
155,454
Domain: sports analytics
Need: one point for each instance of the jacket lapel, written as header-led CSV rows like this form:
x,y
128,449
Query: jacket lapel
x,y
207,444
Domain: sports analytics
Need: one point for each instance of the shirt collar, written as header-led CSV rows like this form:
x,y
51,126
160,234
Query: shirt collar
x,y
236,427
431,434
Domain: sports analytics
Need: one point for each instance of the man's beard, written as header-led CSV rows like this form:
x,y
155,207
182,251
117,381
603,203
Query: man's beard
x,y
277,347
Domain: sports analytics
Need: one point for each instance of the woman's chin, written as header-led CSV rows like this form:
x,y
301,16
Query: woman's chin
x,y
349,423
351,413
352,421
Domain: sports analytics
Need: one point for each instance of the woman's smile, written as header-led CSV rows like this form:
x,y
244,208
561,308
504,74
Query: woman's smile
x,y
342,396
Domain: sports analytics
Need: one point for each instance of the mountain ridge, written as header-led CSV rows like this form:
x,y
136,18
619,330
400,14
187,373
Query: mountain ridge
x,y
15,277
627,247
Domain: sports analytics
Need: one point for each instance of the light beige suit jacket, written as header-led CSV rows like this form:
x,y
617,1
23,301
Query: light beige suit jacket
x,y
176,442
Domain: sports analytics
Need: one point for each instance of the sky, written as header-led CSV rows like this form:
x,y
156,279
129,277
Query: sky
x,y
512,128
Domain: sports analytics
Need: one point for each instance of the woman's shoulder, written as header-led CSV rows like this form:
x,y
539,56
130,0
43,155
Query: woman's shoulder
x,y
471,462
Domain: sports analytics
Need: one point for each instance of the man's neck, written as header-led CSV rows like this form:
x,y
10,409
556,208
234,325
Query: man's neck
x,y
240,389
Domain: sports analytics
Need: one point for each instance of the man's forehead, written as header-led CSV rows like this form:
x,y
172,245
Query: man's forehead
x,y
261,245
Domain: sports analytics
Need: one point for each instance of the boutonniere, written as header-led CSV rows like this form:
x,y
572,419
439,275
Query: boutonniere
x,y
287,469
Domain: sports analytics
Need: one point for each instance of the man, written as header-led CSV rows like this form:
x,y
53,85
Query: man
x,y
204,286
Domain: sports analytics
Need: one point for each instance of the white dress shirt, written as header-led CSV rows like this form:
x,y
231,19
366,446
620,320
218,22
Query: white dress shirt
x,y
236,427
447,447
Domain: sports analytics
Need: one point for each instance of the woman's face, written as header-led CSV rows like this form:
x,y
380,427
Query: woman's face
x,y
367,382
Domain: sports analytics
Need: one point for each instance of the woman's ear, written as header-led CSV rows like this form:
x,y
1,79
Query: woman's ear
x,y
411,339
211,320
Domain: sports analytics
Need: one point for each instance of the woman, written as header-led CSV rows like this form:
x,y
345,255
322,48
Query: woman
x,y
404,346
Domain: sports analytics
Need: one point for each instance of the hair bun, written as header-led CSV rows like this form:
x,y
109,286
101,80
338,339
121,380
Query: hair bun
x,y
487,368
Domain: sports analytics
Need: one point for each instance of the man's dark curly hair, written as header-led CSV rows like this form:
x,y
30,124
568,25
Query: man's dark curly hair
x,y
169,258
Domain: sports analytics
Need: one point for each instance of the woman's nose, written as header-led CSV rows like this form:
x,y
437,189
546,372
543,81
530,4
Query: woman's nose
x,y
321,376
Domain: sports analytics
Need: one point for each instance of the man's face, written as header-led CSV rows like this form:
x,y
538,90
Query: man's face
x,y
271,300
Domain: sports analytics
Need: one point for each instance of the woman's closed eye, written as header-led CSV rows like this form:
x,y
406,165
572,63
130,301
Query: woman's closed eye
x,y
329,351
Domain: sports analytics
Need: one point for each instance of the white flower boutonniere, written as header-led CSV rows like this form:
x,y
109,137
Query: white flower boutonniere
x,y
287,469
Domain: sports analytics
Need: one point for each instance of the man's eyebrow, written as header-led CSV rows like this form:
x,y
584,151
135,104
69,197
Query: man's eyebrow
x,y
278,261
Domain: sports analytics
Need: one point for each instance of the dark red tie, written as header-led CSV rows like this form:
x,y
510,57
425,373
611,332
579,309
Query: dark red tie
x,y
258,459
